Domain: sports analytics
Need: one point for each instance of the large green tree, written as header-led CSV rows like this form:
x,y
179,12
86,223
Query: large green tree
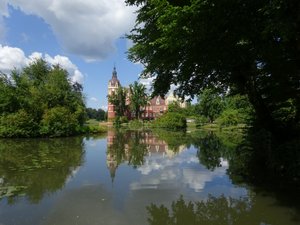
x,y
40,100
250,46
210,104
138,98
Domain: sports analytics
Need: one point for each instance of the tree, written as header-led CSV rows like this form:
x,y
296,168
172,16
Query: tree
x,y
174,107
40,100
250,46
138,98
118,99
171,121
97,114
210,104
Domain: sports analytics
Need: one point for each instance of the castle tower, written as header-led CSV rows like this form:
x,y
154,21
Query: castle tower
x,y
113,85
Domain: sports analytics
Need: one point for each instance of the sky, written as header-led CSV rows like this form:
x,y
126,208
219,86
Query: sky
x,y
84,37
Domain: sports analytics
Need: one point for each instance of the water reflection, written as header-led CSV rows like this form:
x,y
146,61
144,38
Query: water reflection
x,y
133,146
146,150
32,168
149,170
164,159
253,209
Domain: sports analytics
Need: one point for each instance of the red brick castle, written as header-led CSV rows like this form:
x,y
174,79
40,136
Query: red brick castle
x,y
156,106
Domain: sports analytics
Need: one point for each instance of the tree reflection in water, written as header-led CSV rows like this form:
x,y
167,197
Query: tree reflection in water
x,y
254,210
248,154
34,167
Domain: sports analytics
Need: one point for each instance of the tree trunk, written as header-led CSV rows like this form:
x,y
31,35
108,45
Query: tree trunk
x,y
262,111
137,114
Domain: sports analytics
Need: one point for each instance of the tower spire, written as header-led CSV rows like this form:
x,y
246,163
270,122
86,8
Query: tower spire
x,y
114,73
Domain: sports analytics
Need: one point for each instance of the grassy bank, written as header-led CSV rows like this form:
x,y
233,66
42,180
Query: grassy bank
x,y
93,126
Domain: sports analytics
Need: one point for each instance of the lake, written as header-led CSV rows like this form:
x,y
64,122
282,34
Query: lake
x,y
133,177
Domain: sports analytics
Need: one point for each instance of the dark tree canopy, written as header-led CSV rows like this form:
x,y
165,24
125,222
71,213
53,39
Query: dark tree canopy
x,y
249,46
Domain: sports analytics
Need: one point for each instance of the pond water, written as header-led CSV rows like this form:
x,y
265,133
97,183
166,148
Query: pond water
x,y
132,177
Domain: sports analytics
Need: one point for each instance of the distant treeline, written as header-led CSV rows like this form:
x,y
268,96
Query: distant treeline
x,y
97,114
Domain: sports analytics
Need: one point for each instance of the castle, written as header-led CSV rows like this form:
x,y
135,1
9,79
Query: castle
x,y
156,106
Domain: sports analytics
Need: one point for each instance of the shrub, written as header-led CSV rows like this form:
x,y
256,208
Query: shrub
x,y
123,119
230,117
92,129
201,120
171,121
58,121
135,124
19,124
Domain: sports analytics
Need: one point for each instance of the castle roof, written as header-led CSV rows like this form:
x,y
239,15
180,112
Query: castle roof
x,y
114,80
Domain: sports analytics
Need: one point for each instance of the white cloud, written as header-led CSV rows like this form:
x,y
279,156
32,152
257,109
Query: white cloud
x,y
11,58
34,56
104,107
93,99
147,82
64,62
159,171
87,28
3,8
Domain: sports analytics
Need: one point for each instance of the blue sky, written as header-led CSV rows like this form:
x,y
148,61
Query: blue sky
x,y
84,37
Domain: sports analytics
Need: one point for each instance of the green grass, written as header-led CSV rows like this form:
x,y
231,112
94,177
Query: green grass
x,y
94,126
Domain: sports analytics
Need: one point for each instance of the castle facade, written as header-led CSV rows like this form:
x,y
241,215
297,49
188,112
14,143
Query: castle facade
x,y
155,108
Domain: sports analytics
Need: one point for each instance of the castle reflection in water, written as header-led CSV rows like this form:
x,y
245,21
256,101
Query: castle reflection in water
x,y
133,147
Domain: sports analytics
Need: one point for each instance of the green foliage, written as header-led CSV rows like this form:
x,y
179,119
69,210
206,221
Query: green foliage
x,y
174,107
58,121
210,150
174,139
230,117
94,129
138,149
40,101
218,210
18,124
93,126
171,121
210,104
201,120
98,114
252,47
241,104
135,124
188,111
213,210
127,146
229,110
285,112
138,98
118,99
123,119
117,122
